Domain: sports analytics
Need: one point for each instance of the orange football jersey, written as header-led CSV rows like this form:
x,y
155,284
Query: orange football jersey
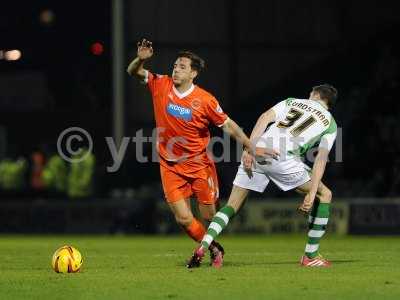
x,y
182,121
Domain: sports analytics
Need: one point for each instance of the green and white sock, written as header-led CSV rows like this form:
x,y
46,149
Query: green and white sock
x,y
318,221
313,214
218,223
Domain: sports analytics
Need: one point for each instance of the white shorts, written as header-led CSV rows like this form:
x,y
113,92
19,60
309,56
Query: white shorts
x,y
287,175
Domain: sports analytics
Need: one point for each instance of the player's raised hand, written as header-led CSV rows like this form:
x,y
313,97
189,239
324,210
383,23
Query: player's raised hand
x,y
144,49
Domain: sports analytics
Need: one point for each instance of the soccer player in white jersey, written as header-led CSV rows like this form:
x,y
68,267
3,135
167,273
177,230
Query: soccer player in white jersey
x,y
297,125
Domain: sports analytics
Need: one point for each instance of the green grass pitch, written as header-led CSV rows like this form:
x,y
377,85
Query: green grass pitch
x,y
256,267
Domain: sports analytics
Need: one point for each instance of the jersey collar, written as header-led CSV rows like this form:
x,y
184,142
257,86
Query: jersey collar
x,y
184,94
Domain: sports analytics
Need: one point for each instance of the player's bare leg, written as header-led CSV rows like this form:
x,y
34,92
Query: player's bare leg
x,y
184,217
237,197
324,194
318,220
182,212
220,221
207,211
193,227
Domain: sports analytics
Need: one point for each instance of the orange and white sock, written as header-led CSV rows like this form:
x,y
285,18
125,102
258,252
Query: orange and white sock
x,y
196,230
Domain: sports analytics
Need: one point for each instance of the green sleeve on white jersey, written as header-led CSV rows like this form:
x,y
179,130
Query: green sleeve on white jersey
x,y
289,100
325,140
329,136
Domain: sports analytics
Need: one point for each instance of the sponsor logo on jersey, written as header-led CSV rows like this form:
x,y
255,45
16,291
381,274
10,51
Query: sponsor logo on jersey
x,y
180,112
196,103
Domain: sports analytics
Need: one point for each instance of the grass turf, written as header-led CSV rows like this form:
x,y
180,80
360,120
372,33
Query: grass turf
x,y
256,267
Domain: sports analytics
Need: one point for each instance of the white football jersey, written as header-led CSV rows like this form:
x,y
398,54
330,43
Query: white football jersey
x,y
300,125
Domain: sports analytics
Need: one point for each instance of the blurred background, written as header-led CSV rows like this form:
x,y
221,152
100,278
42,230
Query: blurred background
x,y
62,65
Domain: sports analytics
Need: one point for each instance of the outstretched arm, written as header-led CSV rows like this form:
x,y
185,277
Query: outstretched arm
x,y
262,123
319,165
237,133
144,52
317,173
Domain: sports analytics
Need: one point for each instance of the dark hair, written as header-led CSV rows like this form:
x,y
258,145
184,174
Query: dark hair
x,y
196,62
327,92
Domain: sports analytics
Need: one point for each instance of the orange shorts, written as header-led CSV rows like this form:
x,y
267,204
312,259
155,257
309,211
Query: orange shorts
x,y
203,184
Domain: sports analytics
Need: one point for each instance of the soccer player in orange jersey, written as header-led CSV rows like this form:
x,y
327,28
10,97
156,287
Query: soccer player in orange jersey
x,y
183,112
